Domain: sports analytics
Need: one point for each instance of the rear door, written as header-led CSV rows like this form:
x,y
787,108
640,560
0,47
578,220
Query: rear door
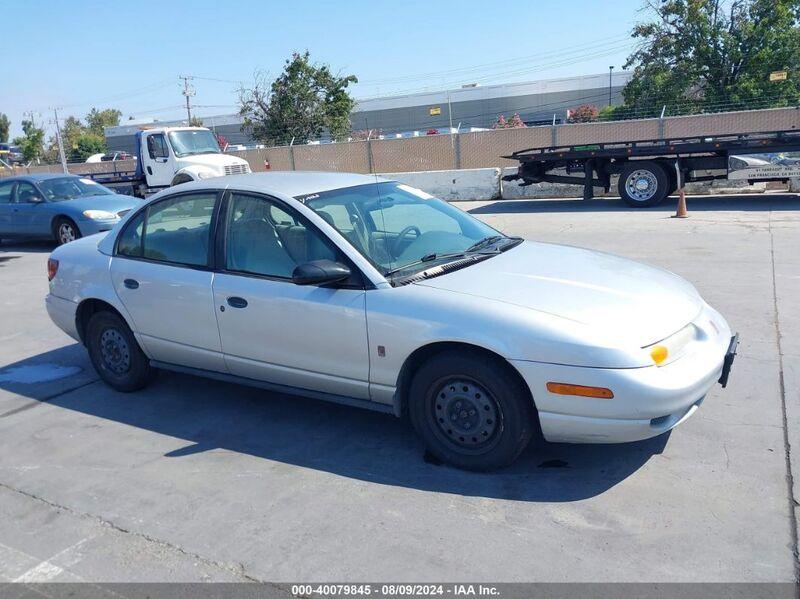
x,y
6,195
161,272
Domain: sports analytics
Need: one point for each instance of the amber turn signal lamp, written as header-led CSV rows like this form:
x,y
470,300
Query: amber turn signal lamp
x,y
659,353
579,390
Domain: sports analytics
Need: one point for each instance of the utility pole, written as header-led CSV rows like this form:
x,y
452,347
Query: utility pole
x,y
188,91
610,71
60,143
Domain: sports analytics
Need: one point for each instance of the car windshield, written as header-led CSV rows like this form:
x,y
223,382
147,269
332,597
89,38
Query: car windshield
x,y
193,141
400,229
69,188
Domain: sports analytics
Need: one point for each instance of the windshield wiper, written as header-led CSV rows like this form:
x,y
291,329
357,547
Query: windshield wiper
x,y
484,242
433,256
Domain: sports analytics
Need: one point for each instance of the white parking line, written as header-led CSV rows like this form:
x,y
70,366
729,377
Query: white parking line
x,y
46,570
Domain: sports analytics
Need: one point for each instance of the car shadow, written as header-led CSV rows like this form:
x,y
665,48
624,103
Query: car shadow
x,y
29,246
742,202
345,441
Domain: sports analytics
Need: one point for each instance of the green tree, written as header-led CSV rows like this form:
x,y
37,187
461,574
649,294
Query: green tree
x,y
96,120
87,144
706,55
195,122
71,129
5,125
305,101
31,141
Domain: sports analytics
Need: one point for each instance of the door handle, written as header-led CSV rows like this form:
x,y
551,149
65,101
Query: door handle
x,y
237,302
131,283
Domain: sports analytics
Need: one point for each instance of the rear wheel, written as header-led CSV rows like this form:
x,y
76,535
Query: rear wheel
x,y
643,183
115,354
470,411
66,231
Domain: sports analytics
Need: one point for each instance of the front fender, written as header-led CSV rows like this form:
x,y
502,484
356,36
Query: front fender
x,y
192,173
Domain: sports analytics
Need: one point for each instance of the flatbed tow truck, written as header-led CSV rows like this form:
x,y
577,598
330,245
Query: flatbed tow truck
x,y
651,170
167,156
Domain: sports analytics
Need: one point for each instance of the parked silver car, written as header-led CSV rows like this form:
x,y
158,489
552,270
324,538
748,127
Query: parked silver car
x,y
375,294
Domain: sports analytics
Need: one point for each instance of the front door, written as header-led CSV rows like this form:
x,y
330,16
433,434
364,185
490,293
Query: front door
x,y
273,330
161,274
157,160
29,215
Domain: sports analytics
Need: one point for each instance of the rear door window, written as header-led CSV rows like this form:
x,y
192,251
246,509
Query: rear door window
x,y
175,230
5,192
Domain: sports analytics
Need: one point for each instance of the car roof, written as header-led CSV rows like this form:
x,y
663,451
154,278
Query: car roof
x,y
288,183
36,177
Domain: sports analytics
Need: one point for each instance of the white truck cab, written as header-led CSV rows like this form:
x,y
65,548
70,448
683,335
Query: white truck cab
x,y
174,155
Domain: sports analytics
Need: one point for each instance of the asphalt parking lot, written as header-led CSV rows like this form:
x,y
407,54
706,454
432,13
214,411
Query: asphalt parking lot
x,y
196,480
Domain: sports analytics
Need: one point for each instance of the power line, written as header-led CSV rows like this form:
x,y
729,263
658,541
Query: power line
x,y
579,48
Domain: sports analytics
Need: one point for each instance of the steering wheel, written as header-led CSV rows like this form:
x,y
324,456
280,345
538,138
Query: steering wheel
x,y
402,235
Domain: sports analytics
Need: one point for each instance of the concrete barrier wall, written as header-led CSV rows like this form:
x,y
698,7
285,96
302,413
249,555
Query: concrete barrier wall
x,y
454,185
486,184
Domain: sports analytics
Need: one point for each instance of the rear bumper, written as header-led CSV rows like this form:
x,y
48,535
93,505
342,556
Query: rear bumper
x,y
647,401
62,312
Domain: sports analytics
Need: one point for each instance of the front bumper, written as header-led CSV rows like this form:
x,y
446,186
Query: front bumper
x,y
647,401
88,226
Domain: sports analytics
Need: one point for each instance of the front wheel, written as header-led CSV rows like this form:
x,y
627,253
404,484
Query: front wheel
x,y
115,354
470,411
643,184
66,231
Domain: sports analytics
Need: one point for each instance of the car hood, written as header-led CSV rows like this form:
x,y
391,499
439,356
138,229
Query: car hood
x,y
210,160
641,303
112,202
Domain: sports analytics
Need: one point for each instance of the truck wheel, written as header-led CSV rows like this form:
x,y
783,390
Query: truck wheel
x,y
643,183
469,411
65,231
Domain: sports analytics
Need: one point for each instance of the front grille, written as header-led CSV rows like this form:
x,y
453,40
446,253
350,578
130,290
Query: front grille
x,y
237,169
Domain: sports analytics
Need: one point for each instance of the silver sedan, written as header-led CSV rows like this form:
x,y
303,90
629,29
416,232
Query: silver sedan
x,y
375,294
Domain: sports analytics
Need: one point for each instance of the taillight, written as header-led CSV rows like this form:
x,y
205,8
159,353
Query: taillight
x,y
52,268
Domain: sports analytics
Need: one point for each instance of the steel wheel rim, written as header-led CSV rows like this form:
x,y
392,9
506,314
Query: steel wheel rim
x,y
641,185
465,415
66,233
115,351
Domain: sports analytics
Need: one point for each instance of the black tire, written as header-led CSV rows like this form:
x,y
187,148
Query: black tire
x,y
643,183
65,230
115,354
673,180
470,411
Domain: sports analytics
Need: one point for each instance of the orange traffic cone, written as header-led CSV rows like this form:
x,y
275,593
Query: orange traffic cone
x,y
682,212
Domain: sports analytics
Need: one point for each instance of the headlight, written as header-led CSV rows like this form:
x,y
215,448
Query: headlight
x,y
100,215
673,347
206,174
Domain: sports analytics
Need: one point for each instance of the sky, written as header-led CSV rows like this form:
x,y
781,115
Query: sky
x,y
128,55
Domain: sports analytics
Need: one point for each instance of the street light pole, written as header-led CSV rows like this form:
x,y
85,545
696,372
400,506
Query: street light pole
x,y
610,71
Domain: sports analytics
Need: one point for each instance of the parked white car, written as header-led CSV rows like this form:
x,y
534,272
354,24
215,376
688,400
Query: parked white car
x,y
374,294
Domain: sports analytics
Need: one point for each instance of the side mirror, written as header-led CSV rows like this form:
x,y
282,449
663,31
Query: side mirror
x,y
320,272
35,199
